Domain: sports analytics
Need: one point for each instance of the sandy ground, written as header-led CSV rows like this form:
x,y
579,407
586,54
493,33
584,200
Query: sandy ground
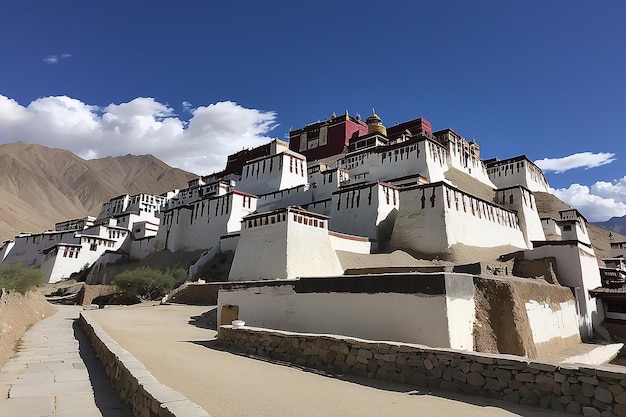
x,y
183,356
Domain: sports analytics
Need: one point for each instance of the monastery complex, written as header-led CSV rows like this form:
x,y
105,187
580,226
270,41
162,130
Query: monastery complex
x,y
311,222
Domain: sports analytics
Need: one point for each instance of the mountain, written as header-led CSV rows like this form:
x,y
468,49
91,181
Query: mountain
x,y
615,224
40,186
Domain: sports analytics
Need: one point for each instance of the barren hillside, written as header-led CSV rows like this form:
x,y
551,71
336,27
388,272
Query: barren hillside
x,y
40,186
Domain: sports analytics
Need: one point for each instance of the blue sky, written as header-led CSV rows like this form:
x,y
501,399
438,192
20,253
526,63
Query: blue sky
x,y
193,81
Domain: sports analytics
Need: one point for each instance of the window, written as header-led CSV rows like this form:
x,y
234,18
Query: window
x,y
93,247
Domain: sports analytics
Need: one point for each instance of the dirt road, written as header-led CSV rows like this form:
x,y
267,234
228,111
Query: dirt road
x,y
184,357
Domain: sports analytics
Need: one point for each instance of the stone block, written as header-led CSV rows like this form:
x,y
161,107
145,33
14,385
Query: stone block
x,y
464,367
591,380
477,367
582,400
524,392
600,405
573,407
620,410
544,402
512,397
475,379
590,412
575,389
427,364
603,395
588,390
525,377
503,375
547,367
382,373
458,375
367,354
492,384
389,357
616,389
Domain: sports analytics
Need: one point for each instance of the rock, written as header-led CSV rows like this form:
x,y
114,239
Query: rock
x,y
591,412
475,379
525,377
603,395
573,407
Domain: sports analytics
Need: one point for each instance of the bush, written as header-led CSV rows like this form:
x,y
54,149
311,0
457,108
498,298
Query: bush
x,y
149,284
19,277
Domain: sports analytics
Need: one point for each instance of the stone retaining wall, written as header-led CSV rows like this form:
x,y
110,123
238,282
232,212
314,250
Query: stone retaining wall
x,y
136,386
577,389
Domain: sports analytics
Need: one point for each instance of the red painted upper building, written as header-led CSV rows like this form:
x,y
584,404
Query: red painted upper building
x,y
327,138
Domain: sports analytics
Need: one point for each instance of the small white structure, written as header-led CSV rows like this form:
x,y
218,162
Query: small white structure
x,y
434,217
365,209
284,244
517,171
434,310
522,201
577,268
272,173
573,226
199,225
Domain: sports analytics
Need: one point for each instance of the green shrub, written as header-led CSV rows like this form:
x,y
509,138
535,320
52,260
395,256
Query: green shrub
x,y
19,277
147,283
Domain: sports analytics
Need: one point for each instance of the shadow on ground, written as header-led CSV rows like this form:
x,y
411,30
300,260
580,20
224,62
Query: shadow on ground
x,y
206,320
107,401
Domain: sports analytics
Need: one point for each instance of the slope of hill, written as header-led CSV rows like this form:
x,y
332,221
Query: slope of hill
x,y
40,186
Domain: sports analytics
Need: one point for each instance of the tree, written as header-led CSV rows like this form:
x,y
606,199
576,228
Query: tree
x,y
147,283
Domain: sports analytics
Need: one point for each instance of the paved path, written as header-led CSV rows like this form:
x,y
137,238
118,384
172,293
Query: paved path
x,y
56,373
180,351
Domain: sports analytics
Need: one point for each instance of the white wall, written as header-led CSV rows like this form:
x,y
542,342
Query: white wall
x,y
309,251
448,217
27,249
200,225
6,248
360,210
522,201
261,253
273,173
576,266
412,318
523,172
284,249
550,228
550,324
348,243
297,196
415,156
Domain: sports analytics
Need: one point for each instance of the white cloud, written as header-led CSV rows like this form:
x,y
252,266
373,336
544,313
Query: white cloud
x,y
140,126
54,59
578,160
595,203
